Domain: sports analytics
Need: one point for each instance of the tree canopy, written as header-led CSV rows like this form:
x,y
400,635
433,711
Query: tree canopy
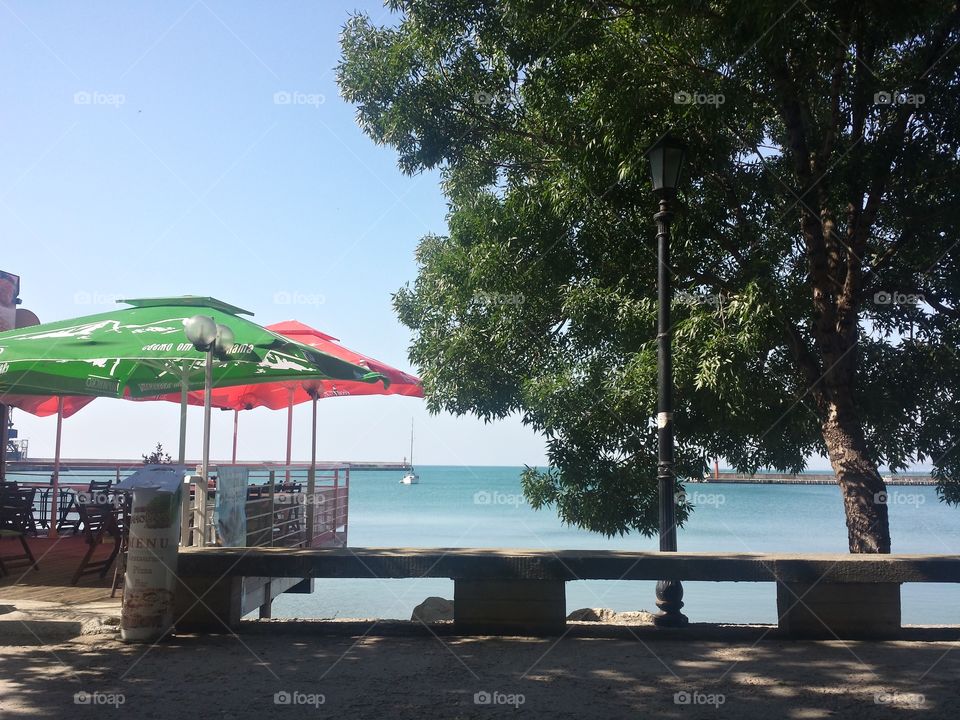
x,y
815,249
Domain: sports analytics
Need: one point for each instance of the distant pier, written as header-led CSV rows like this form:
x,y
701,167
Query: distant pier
x,y
111,466
398,466
730,477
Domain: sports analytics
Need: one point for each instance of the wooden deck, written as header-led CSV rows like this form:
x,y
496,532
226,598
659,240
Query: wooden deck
x,y
58,560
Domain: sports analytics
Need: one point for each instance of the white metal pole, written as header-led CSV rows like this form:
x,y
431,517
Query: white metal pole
x,y
207,394
312,479
4,424
236,424
55,491
290,428
200,524
289,433
184,382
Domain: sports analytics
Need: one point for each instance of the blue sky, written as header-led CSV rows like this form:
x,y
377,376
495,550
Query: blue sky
x,y
185,147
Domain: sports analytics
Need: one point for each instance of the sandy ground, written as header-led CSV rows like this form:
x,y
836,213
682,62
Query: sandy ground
x,y
399,671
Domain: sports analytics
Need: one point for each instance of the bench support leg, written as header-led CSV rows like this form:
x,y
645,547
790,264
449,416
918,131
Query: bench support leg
x,y
509,607
826,611
204,604
266,610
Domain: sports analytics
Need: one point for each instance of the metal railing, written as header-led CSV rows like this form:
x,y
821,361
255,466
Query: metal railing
x,y
280,510
73,473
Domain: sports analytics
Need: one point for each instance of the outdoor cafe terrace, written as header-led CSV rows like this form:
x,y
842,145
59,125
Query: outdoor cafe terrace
x,y
79,558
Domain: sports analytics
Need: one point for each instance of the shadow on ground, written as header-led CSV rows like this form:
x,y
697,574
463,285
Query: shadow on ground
x,y
416,677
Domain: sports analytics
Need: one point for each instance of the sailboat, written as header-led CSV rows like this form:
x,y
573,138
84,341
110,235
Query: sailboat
x,y
411,478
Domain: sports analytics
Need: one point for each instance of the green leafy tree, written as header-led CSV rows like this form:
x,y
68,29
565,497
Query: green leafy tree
x,y
157,457
815,249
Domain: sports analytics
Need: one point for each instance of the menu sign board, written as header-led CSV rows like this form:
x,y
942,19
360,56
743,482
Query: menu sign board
x,y
150,580
9,290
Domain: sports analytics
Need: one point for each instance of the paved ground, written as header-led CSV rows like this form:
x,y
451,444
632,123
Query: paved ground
x,y
303,671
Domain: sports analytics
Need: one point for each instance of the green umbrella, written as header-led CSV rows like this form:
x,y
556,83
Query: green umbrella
x,y
143,351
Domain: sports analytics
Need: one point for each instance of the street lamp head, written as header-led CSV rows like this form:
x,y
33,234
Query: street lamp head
x,y
225,340
666,158
201,331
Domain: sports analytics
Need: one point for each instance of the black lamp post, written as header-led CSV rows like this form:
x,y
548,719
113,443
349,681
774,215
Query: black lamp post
x,y
666,162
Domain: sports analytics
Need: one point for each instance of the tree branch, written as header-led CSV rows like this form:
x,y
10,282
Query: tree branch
x,y
807,362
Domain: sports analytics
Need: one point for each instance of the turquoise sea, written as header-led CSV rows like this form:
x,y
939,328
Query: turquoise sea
x,y
484,507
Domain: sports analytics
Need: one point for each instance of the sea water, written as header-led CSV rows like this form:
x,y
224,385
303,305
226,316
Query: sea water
x,y
484,507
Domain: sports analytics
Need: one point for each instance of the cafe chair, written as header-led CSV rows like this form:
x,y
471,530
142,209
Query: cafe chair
x,y
97,521
125,501
16,520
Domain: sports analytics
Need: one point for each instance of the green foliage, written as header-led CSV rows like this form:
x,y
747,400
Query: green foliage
x,y
157,456
541,299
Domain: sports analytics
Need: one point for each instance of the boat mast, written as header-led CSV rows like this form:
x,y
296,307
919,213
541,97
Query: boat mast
x,y
411,444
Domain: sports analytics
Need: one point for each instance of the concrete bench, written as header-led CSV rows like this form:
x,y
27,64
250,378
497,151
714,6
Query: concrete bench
x,y
523,591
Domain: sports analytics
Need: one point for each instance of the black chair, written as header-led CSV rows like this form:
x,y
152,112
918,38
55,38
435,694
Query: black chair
x,y
16,520
67,507
41,507
97,521
28,493
97,493
124,506
288,520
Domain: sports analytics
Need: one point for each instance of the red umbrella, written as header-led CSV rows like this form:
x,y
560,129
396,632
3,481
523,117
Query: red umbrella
x,y
279,395
46,406
62,407
285,395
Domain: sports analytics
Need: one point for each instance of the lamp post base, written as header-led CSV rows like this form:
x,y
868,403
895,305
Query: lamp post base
x,y
670,600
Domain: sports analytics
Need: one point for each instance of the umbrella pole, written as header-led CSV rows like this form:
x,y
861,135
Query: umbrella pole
x,y
207,393
236,423
200,521
312,478
4,423
182,455
55,492
289,433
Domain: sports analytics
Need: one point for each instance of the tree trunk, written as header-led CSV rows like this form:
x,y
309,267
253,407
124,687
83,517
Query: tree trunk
x,y
864,491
